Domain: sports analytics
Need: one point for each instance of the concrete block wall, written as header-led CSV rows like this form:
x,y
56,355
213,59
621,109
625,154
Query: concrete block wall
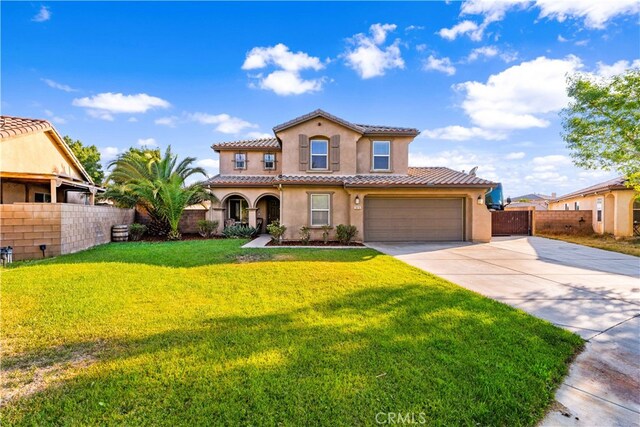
x,y
64,228
560,222
84,226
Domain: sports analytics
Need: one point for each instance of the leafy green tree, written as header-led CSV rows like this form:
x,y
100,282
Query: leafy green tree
x,y
158,185
602,123
89,157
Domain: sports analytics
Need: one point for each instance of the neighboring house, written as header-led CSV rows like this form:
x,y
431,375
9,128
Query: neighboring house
x,y
37,166
615,207
538,202
322,170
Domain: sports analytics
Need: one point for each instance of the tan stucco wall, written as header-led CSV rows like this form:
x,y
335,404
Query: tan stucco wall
x,y
35,153
318,127
295,213
399,154
617,211
254,163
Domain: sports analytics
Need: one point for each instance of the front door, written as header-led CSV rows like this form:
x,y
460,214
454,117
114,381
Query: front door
x,y
273,210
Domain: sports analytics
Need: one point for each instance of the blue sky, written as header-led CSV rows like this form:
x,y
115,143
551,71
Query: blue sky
x,y
483,80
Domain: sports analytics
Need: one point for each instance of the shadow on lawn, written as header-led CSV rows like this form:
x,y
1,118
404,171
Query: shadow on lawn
x,y
454,356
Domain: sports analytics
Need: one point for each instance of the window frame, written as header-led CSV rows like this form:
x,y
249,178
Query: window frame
x,y
374,155
264,161
329,209
576,206
566,206
325,141
235,161
599,205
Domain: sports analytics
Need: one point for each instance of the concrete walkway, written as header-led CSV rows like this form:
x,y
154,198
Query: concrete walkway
x,y
592,292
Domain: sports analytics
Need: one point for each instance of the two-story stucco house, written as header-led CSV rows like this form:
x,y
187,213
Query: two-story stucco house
x,y
322,170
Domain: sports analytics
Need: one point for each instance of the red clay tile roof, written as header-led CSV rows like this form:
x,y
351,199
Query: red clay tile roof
x,y
12,126
612,184
360,128
270,143
241,180
417,177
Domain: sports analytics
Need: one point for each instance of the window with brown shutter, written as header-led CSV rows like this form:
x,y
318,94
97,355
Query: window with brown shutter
x,y
334,156
304,152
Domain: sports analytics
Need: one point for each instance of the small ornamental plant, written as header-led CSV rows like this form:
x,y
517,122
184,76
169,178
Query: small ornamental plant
x,y
326,229
277,231
346,233
305,234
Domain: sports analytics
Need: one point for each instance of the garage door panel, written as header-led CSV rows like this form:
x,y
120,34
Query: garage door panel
x,y
412,219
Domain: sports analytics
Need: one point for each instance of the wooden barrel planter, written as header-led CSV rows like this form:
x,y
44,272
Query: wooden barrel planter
x,y
120,233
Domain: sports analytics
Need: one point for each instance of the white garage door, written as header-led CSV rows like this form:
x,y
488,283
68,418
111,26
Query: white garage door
x,y
409,219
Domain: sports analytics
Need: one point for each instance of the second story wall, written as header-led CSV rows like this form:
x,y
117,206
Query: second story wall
x,y
399,154
254,163
319,127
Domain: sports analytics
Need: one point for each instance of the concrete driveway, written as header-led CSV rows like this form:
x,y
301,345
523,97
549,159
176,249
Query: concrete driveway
x,y
592,292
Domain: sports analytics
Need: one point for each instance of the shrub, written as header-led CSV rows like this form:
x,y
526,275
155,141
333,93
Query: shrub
x,y
305,234
326,229
207,228
345,233
276,230
239,232
136,231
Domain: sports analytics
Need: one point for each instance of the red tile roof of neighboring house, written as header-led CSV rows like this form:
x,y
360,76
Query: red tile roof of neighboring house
x,y
248,144
360,128
12,126
417,177
612,184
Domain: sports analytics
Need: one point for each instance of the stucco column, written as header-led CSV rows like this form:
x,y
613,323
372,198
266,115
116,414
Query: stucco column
x,y
481,220
623,214
252,216
53,188
217,214
92,196
356,214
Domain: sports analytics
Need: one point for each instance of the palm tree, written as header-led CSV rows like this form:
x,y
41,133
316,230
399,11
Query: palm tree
x,y
156,183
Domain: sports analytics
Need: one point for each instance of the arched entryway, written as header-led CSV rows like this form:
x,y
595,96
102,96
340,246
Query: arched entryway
x,y
267,211
236,210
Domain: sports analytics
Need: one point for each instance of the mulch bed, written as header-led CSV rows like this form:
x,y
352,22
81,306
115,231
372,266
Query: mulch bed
x,y
313,243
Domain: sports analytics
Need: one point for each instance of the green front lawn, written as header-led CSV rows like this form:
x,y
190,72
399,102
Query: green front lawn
x,y
206,333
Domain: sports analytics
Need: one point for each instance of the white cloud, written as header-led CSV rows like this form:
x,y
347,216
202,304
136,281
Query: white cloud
x,y
224,122
414,28
465,27
439,64
115,103
459,160
484,51
289,83
562,39
170,121
607,71
460,133
147,142
369,58
102,115
259,135
212,166
517,155
286,79
44,14
59,86
421,47
109,153
54,118
520,96
132,119
594,13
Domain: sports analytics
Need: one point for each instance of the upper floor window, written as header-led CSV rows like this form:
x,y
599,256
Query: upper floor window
x,y
240,161
576,206
269,161
381,155
319,154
